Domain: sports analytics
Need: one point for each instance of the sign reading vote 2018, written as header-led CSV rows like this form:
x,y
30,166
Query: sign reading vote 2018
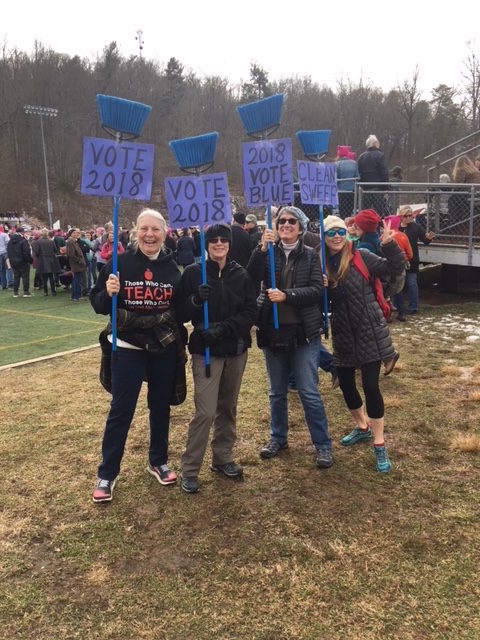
x,y
117,169
195,201
317,182
267,169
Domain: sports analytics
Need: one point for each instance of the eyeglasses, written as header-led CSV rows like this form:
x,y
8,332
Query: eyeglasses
x,y
216,240
331,233
291,221
408,215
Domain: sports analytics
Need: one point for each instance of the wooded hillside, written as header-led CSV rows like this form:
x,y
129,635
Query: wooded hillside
x,y
408,125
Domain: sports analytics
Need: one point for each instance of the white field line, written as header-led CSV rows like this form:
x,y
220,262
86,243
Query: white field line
x,y
14,365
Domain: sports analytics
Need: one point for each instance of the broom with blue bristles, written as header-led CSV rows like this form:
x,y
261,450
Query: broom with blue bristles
x,y
196,155
260,119
314,146
123,120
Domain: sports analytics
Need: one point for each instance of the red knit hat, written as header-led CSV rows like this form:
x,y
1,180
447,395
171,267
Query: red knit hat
x,y
367,220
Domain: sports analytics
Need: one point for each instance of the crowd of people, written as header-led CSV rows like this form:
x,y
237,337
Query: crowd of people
x,y
159,291
71,259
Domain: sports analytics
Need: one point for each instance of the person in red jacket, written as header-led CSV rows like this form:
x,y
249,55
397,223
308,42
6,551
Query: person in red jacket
x,y
107,248
404,243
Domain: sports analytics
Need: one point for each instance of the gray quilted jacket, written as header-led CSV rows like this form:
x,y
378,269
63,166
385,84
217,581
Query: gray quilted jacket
x,y
359,330
307,287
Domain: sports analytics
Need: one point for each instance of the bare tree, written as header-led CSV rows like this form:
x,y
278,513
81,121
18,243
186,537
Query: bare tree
x,y
471,76
409,96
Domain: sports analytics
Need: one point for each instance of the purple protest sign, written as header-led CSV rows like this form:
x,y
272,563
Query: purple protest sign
x,y
317,182
112,168
267,172
195,201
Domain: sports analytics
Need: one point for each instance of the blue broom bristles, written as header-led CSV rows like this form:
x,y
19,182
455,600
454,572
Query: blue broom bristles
x,y
195,152
122,116
261,115
314,143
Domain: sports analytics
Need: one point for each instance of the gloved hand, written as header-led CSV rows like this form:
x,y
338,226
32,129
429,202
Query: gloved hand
x,y
203,293
213,334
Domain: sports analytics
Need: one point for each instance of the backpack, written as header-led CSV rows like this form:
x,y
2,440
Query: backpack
x,y
375,283
395,284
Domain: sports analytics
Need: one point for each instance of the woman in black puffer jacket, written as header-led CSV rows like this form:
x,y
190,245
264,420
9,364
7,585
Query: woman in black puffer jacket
x,y
360,335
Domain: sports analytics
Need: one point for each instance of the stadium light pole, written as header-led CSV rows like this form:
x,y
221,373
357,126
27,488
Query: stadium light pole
x,y
50,113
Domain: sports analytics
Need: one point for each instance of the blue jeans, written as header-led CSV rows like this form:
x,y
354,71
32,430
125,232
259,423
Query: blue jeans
x,y
325,363
412,289
399,303
303,362
3,270
129,368
76,290
325,360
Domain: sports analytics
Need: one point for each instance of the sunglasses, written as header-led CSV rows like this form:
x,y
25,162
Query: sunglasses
x,y
291,221
218,239
408,215
331,233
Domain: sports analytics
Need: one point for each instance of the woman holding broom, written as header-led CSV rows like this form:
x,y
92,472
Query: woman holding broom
x,y
360,335
295,346
230,294
149,347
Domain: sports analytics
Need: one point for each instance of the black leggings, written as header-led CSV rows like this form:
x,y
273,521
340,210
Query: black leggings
x,y
373,397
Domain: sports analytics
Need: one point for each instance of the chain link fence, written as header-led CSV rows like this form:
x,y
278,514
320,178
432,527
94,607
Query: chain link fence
x,y
451,211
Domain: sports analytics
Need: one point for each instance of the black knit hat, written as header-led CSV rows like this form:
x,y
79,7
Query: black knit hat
x,y
218,230
239,218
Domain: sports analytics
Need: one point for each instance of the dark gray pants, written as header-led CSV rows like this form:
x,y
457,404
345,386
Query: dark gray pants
x,y
215,403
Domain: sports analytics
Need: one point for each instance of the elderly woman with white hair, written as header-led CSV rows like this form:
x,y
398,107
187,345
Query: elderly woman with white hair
x,y
150,347
295,345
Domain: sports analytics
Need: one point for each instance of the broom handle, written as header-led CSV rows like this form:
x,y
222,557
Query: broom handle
x,y
116,210
271,260
205,303
324,269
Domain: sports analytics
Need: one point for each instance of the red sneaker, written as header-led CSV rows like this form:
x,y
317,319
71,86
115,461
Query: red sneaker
x,y
162,473
103,491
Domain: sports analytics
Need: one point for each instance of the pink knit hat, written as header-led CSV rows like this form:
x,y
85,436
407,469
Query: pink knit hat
x,y
342,151
394,221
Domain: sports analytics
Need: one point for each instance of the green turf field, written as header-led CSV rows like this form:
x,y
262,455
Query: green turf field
x,y
40,326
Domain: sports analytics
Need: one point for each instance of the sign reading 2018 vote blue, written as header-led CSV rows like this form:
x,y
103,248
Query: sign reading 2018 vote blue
x,y
267,170
195,201
117,169
317,182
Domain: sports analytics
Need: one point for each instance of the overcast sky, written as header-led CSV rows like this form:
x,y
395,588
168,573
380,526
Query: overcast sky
x,y
378,41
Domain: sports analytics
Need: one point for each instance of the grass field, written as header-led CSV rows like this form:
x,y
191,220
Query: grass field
x,y
39,326
290,552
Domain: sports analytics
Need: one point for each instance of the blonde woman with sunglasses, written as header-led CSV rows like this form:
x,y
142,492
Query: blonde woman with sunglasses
x,y
360,335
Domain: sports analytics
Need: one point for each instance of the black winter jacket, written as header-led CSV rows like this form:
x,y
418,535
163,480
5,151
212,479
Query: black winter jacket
x,y
359,330
306,291
46,253
231,303
148,287
18,251
240,248
414,233
372,167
